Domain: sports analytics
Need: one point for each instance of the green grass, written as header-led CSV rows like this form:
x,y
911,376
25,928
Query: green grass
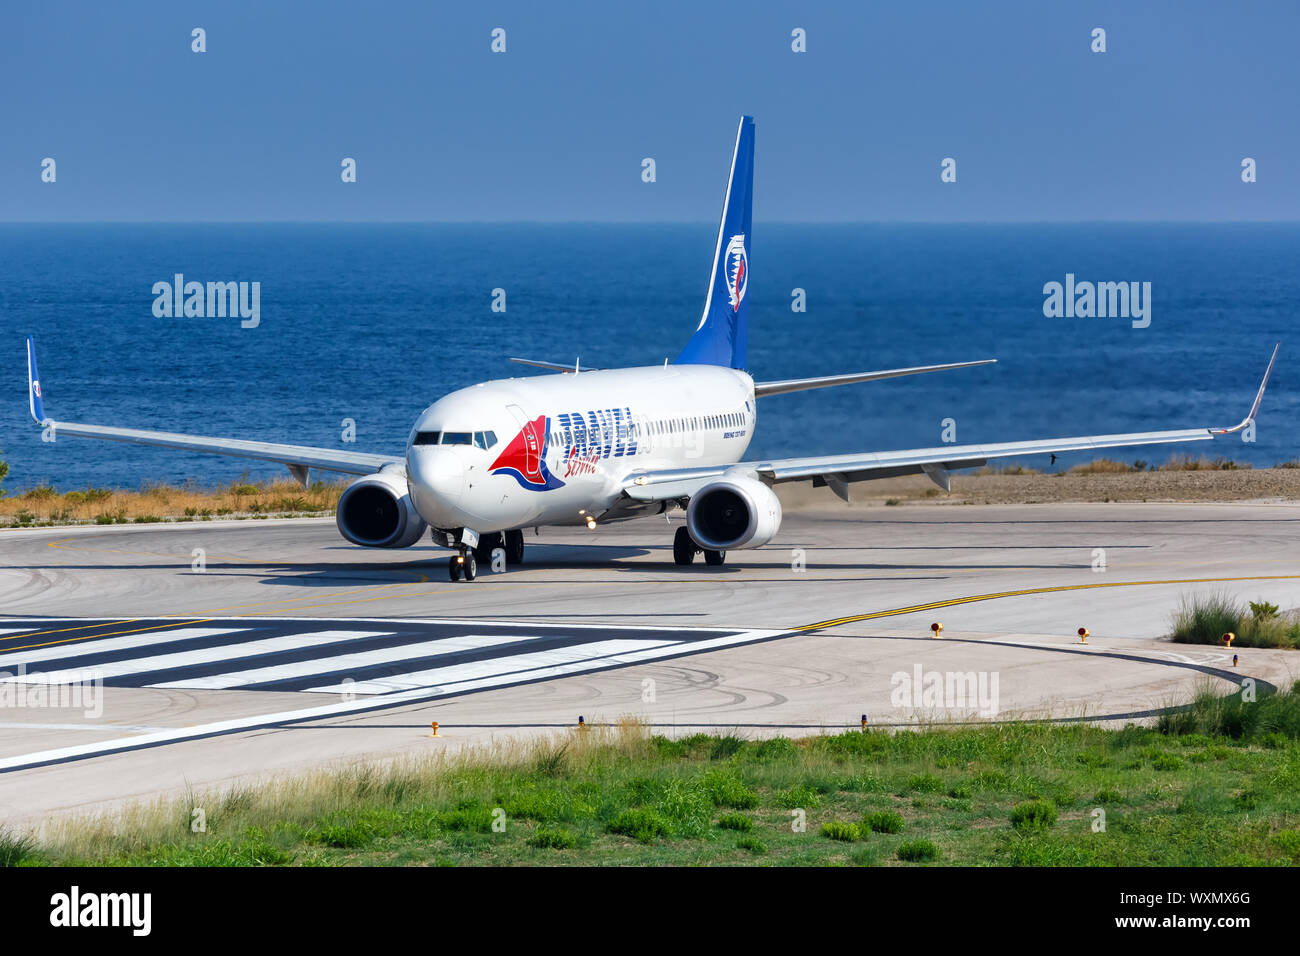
x,y
1033,815
736,821
1204,619
884,821
917,851
16,848
839,830
1215,783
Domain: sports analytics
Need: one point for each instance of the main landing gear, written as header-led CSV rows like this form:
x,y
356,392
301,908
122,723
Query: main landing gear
x,y
464,565
685,549
511,541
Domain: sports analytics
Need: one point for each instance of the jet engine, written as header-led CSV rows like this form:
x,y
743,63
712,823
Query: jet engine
x,y
376,512
736,511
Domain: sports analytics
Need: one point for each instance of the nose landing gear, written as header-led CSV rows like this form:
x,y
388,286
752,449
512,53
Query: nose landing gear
x,y
463,565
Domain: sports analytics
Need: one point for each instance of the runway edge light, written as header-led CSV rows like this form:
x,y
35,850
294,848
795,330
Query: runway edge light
x,y
435,729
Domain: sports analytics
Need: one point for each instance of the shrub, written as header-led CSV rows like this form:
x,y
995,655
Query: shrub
x,y
798,797
775,748
1167,762
1262,610
925,783
644,826
736,821
1288,841
839,830
884,821
553,839
15,848
753,844
1033,815
726,790
1205,619
917,851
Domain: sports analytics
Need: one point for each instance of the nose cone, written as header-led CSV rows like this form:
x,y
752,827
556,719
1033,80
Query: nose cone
x,y
437,480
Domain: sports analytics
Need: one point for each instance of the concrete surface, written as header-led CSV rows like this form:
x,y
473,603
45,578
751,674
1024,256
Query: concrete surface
x,y
1010,584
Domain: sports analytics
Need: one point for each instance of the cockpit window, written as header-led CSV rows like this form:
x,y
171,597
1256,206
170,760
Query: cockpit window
x,y
482,439
477,439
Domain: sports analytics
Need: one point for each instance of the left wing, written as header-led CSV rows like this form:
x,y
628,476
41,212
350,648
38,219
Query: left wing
x,y
838,471
299,458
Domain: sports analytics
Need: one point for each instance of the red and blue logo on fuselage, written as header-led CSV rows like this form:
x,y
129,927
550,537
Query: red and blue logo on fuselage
x,y
524,459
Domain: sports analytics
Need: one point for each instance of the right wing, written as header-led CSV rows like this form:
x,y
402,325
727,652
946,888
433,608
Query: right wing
x,y
299,458
838,471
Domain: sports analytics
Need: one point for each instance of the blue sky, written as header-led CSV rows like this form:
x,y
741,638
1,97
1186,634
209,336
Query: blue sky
x,y
555,128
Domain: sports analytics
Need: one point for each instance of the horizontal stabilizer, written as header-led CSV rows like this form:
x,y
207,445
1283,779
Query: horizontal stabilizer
x,y
827,381
554,366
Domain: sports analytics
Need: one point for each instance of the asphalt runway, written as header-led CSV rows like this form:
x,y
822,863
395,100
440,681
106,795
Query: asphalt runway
x,y
138,661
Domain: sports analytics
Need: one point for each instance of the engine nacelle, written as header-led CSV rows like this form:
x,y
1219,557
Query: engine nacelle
x,y
736,511
377,512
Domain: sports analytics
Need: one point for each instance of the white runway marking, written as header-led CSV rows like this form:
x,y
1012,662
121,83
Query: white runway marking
x,y
325,711
343,662
497,666
89,725
104,645
205,655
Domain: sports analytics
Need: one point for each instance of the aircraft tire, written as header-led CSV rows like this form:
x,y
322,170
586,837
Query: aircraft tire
x,y
514,547
683,547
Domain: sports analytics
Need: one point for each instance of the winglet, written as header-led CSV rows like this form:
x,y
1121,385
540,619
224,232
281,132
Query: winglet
x,y
34,385
1259,397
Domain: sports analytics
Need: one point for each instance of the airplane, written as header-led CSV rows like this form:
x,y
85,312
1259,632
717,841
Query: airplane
x,y
587,446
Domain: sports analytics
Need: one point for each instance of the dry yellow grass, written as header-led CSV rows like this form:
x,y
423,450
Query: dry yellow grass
x,y
1103,466
159,502
1188,463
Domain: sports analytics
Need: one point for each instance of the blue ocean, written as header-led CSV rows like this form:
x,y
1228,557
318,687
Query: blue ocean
x,y
373,322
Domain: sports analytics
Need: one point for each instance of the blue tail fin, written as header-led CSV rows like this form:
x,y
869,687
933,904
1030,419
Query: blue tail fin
x,y
723,332
34,385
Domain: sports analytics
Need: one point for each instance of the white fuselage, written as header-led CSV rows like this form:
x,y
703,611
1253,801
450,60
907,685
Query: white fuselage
x,y
561,447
